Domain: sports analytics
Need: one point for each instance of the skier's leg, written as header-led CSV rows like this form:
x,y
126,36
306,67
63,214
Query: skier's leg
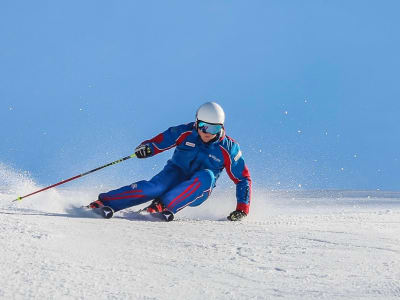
x,y
142,191
191,192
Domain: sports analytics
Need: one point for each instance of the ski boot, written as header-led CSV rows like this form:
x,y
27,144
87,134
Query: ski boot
x,y
157,209
156,206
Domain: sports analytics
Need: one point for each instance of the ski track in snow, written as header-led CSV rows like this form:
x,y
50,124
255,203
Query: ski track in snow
x,y
310,245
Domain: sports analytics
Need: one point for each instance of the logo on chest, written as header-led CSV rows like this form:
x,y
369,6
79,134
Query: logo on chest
x,y
214,158
190,144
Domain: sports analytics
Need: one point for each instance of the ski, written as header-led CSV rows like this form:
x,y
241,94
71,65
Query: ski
x,y
164,215
107,213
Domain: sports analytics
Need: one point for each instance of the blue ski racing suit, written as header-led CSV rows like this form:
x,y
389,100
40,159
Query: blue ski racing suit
x,y
190,175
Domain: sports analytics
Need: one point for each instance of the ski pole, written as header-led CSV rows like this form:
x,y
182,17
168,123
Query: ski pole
x,y
76,177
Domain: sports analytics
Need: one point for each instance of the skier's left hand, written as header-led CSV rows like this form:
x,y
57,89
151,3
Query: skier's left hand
x,y
143,151
236,215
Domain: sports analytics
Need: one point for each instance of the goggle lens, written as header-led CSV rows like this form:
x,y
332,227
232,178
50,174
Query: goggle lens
x,y
209,128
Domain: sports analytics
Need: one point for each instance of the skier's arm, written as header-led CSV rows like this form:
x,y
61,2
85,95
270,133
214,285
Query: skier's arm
x,y
240,175
168,139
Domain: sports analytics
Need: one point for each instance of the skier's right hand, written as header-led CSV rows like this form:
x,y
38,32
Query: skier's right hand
x,y
143,151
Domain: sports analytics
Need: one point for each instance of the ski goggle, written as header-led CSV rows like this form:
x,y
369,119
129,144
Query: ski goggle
x,y
209,128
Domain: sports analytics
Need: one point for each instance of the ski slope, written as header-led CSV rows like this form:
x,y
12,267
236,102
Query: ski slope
x,y
294,245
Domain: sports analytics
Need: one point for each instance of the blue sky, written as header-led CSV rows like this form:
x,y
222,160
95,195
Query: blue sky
x,y
310,88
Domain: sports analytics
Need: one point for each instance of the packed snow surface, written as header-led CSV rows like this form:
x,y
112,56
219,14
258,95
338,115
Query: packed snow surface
x,y
294,245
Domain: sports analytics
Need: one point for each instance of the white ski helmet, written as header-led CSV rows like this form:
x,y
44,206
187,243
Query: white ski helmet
x,y
211,112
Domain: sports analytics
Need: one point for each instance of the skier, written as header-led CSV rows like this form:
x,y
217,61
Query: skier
x,y
202,152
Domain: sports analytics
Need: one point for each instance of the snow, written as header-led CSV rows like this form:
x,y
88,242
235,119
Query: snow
x,y
294,245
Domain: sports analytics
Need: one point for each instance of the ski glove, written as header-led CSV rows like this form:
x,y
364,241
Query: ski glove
x,y
236,215
143,151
